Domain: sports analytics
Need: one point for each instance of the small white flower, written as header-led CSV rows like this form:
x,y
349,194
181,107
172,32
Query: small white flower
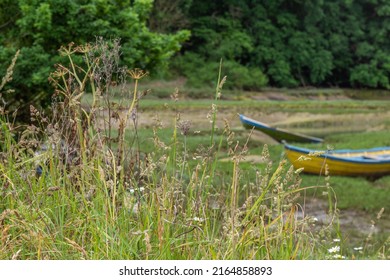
x,y
358,248
337,256
334,249
315,219
132,191
336,240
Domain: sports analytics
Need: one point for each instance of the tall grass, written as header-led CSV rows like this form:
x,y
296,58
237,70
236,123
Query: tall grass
x,y
78,184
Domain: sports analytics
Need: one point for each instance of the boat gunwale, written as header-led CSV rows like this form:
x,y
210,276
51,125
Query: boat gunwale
x,y
331,154
254,123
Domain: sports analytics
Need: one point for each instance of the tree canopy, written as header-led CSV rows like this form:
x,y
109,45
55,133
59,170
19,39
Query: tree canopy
x,y
293,42
40,27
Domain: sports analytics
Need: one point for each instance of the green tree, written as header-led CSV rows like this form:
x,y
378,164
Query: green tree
x,y
40,27
218,32
372,60
295,42
169,15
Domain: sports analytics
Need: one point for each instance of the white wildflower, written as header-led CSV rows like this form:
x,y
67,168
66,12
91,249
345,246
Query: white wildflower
x,y
132,190
337,256
334,249
336,240
358,248
197,219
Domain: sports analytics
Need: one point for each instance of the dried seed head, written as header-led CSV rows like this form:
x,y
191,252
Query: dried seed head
x,y
265,153
67,50
379,215
175,95
184,127
222,82
219,93
84,48
33,111
133,114
137,74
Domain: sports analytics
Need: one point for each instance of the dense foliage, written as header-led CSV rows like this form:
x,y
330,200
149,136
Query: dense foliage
x,y
40,27
290,42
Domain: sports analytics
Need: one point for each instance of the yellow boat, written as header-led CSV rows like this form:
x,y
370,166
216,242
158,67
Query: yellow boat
x,y
372,163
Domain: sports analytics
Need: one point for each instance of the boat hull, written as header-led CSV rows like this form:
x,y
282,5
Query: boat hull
x,y
367,163
278,134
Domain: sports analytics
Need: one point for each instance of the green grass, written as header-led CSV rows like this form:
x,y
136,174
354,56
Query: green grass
x,y
311,106
353,194
113,189
359,140
367,195
176,210
184,202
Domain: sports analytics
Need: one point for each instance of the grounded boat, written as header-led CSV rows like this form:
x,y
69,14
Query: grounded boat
x,y
278,134
371,163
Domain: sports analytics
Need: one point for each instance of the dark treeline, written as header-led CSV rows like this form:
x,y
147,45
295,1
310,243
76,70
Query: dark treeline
x,y
287,43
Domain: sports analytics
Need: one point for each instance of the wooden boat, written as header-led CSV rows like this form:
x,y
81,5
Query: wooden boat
x,y
277,133
371,163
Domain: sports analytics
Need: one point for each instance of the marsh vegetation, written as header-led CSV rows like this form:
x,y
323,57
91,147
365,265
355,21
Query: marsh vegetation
x,y
118,173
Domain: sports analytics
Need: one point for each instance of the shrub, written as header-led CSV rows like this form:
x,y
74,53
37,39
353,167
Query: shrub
x,y
40,28
199,73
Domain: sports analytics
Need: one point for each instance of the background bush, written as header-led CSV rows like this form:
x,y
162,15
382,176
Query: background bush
x,y
39,28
